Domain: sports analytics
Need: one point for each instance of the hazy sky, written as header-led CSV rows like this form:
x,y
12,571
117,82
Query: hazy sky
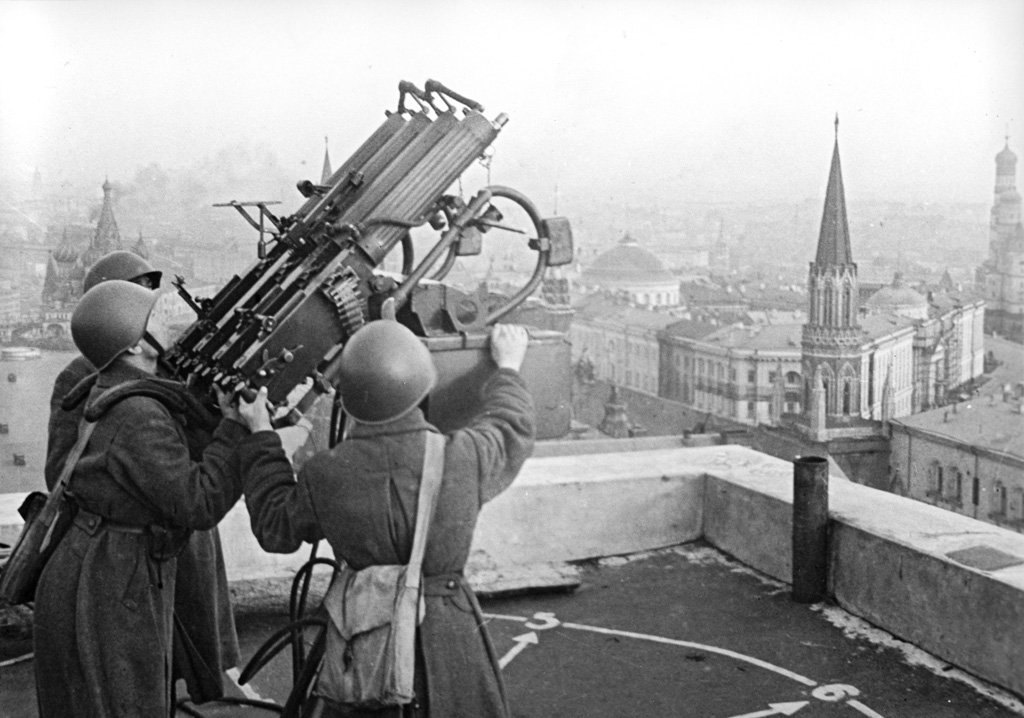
x,y
665,99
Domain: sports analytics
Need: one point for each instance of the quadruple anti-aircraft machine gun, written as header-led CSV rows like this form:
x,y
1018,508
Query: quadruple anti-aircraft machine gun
x,y
284,321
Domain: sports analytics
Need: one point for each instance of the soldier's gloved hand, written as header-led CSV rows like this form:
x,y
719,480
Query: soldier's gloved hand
x,y
508,345
255,414
225,402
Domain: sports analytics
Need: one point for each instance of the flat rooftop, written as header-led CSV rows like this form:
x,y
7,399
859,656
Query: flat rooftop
x,y
682,631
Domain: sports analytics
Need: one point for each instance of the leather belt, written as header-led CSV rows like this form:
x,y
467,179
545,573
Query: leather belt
x,y
443,584
91,523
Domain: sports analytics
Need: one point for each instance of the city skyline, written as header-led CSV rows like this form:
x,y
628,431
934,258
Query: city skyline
x,y
654,100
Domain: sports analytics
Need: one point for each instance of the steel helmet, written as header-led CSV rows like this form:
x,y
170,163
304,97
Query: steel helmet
x,y
120,264
385,372
110,318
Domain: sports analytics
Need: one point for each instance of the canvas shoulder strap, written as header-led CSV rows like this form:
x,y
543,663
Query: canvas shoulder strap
x,y
84,432
433,470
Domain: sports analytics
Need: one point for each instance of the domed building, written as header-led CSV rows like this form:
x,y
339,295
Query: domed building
x,y
68,264
630,269
64,274
899,299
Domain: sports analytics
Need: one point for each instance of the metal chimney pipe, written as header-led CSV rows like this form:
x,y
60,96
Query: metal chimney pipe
x,y
810,529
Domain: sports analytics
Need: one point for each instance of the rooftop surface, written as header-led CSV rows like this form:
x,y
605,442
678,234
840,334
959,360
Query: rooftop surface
x,y
684,631
983,421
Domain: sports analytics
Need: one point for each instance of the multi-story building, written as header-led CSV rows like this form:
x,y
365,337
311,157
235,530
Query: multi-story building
x,y
966,457
835,374
618,341
1002,274
747,373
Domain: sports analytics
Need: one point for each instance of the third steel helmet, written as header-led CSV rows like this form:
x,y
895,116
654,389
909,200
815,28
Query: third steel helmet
x,y
110,318
121,264
385,372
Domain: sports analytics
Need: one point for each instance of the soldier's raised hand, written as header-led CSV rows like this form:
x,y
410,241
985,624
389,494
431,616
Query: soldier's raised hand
x,y
508,345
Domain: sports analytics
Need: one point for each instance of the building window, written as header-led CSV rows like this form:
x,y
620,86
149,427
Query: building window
x,y
1015,510
751,376
935,480
952,489
998,507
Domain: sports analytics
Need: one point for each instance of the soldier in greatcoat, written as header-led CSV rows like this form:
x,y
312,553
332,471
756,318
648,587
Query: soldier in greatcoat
x,y
202,603
104,603
362,497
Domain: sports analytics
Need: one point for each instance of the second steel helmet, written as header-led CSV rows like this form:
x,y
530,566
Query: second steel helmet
x,y
110,318
120,264
385,372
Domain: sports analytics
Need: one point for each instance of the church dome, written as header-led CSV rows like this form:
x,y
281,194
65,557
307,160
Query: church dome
x,y
627,263
899,299
1006,158
65,253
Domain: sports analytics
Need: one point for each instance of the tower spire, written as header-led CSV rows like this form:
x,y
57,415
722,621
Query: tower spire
x,y
325,174
834,237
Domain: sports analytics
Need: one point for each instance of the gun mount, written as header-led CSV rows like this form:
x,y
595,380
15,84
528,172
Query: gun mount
x,y
284,321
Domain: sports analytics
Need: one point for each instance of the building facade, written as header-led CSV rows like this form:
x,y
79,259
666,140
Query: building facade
x,y
967,457
617,342
747,373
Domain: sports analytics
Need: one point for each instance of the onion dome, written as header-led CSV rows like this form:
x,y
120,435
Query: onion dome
x,y
1006,159
65,253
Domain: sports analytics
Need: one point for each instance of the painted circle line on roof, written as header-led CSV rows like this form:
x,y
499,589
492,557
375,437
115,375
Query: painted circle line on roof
x,y
831,693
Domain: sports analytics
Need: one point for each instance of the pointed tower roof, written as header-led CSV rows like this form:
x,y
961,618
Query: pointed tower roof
x,y
108,237
834,238
325,174
140,247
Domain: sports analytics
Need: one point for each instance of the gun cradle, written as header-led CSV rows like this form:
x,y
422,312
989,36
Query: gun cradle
x,y
286,318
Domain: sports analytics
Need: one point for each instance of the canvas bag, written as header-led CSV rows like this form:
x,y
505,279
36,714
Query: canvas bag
x,y
370,655
46,521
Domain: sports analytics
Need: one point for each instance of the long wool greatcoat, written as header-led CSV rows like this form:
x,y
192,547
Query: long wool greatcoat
x,y
362,495
202,600
103,608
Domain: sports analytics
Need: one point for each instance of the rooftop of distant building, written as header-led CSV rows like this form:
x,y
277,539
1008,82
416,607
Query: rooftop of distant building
x,y
774,337
986,421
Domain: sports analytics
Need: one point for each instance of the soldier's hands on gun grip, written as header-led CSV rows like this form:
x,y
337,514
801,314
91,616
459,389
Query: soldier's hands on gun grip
x,y
225,401
508,345
255,414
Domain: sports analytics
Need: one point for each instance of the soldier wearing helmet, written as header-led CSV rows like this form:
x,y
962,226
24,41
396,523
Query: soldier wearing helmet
x,y
362,497
106,601
203,600
63,430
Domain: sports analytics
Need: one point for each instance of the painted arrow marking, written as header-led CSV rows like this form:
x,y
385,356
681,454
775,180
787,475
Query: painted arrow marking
x,y
776,709
522,642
